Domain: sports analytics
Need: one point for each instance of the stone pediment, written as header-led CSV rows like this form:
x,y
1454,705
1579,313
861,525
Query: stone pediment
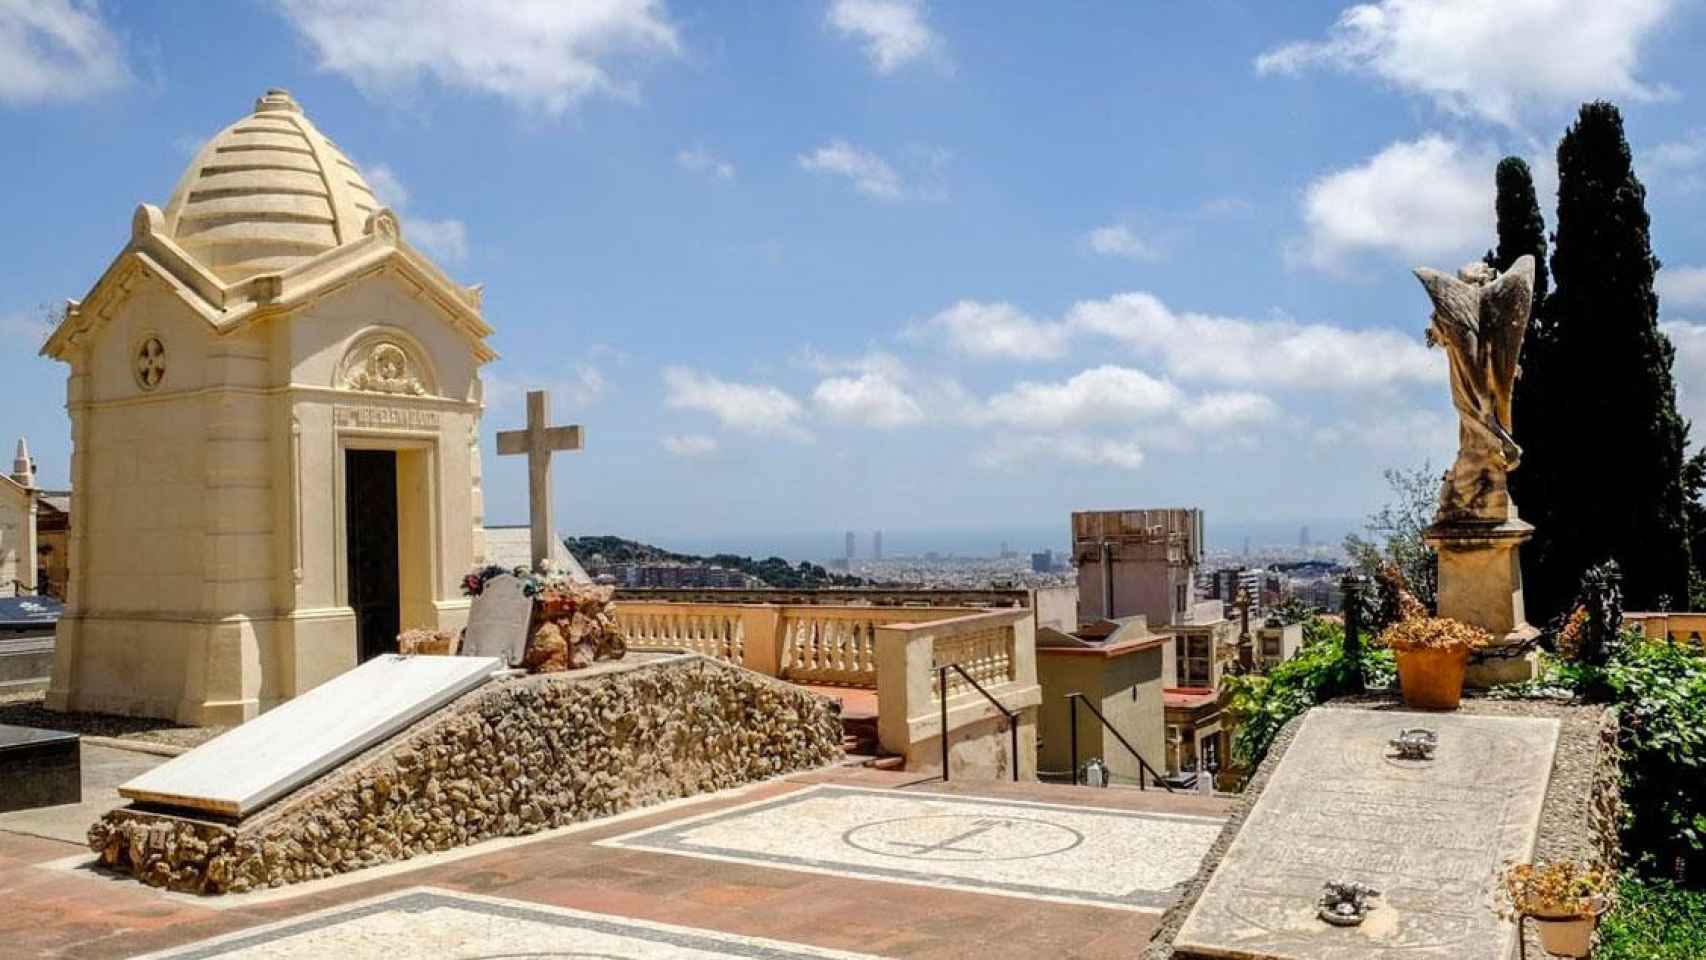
x,y
153,255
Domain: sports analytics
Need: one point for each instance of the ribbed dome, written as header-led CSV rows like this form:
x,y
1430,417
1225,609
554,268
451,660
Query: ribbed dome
x,y
267,193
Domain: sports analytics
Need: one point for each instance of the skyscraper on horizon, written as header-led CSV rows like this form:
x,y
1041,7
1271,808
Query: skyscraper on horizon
x,y
877,545
1303,537
850,551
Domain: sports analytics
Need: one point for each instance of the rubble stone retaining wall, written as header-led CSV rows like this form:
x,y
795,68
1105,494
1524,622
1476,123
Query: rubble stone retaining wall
x,y
511,758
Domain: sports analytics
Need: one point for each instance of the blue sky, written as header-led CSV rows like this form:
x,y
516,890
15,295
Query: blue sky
x,y
875,263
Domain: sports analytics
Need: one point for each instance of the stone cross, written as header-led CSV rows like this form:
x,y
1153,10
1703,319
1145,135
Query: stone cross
x,y
539,441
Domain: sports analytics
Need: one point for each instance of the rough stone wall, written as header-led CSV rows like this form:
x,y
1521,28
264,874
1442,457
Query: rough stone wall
x,y
512,758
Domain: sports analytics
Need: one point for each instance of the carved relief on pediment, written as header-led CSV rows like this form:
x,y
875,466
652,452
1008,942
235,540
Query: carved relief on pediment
x,y
383,367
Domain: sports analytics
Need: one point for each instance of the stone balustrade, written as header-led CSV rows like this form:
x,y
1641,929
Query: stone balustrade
x,y
804,643
897,651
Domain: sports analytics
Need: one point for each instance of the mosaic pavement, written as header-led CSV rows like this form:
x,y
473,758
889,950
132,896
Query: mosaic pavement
x,y
426,922
1108,858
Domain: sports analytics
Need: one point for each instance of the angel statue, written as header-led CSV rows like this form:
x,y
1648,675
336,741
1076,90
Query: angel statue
x,y
1480,317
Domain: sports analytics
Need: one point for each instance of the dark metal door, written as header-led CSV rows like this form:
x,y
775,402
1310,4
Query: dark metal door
x,y
370,509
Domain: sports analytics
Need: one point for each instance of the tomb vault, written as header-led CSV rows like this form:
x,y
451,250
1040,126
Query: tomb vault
x,y
274,403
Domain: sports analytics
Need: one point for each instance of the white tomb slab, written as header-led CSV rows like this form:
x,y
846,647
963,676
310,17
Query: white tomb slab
x,y
239,772
1430,835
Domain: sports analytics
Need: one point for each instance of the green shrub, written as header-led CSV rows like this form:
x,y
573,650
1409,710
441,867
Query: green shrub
x,y
1660,693
1261,705
1654,920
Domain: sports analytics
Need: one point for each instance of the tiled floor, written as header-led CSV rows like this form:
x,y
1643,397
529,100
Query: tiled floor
x,y
49,909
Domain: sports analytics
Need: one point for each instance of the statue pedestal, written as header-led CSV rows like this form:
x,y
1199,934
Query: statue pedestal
x,y
1480,583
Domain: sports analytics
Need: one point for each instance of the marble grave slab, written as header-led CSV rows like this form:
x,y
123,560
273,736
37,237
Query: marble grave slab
x,y
446,925
498,620
1073,854
238,772
1430,835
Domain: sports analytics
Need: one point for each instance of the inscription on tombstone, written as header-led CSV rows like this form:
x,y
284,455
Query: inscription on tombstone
x,y
498,621
1345,806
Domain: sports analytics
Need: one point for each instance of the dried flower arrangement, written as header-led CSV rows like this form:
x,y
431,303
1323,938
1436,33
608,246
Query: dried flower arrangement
x,y
1555,890
1433,633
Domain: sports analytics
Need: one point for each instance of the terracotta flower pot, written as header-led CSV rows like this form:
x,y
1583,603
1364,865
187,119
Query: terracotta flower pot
x,y
1566,936
1432,678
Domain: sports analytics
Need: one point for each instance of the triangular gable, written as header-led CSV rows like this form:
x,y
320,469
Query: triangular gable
x,y
230,307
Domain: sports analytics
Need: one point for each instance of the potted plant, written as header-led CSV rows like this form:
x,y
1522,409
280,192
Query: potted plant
x,y
1432,655
1564,898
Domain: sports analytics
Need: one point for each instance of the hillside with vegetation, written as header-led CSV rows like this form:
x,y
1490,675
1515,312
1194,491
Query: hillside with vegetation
x,y
597,553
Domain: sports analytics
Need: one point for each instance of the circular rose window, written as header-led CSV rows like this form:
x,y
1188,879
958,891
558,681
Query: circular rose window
x,y
150,363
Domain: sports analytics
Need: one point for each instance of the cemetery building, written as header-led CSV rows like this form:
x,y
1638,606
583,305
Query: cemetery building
x,y
274,405
18,526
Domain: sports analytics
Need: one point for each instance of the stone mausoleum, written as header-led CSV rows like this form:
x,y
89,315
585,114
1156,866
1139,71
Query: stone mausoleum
x,y
274,406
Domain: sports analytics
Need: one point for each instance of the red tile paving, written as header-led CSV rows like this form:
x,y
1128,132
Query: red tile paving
x,y
55,913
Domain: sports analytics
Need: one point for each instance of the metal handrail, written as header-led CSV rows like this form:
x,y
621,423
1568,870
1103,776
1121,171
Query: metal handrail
x,y
1072,700
1012,718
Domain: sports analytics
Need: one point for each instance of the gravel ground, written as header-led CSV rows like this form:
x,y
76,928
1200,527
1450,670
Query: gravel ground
x,y
1578,818
26,710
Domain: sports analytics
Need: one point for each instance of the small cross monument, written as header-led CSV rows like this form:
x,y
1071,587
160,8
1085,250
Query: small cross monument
x,y
539,441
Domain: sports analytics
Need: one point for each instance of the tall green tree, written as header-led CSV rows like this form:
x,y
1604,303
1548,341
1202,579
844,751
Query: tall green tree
x,y
1612,457
1522,231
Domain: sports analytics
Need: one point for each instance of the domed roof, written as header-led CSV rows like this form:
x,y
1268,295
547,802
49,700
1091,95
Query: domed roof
x,y
266,193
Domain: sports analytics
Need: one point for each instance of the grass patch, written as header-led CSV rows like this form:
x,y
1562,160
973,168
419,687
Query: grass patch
x,y
1654,920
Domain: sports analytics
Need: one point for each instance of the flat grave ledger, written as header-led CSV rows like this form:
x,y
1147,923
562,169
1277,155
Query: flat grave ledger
x,y
498,620
447,925
1109,858
39,768
1431,835
239,772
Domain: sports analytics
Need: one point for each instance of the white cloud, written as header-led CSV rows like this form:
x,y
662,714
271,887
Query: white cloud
x,y
57,50
445,240
1489,60
1222,411
1682,154
893,31
994,330
1678,165
1417,200
386,186
1689,372
871,174
1681,287
1036,451
1117,240
579,386
871,400
689,444
751,408
539,54
700,160
1105,394
1279,353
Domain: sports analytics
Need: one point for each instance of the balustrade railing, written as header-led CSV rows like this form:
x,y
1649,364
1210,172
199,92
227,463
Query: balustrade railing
x,y
804,643
719,634
984,657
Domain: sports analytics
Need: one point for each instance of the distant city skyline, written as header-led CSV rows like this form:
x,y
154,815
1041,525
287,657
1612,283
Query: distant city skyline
x,y
821,546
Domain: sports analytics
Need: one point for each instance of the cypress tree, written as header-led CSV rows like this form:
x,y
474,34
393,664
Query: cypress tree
x,y
1612,453
1522,231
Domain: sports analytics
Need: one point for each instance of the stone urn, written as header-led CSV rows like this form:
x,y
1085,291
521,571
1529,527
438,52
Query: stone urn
x,y
1432,679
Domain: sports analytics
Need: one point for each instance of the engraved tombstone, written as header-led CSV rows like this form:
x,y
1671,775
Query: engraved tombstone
x,y
1430,834
498,621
